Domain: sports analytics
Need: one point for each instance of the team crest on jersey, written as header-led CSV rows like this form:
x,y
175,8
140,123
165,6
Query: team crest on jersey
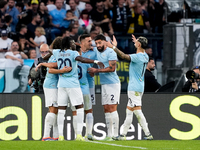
x,y
137,94
2,80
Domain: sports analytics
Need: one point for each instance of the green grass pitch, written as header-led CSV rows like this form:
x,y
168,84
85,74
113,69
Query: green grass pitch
x,y
101,145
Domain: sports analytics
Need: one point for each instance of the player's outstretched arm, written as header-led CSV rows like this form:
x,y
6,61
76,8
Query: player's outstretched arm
x,y
49,65
65,69
89,61
119,53
111,68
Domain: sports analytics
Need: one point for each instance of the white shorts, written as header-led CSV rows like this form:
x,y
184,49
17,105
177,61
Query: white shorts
x,y
110,93
72,95
92,95
134,99
51,97
87,103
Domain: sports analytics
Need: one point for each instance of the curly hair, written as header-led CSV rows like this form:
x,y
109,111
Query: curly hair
x,y
66,43
57,42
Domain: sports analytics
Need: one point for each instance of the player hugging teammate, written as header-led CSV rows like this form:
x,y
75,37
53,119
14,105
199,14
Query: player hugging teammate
x,y
71,69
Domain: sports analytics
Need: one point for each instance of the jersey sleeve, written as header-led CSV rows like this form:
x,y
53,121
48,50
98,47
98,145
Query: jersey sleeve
x,y
53,59
134,57
76,54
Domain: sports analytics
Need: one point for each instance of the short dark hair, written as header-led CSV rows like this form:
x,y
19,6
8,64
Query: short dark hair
x,y
83,36
71,26
143,41
142,2
2,4
34,15
8,18
150,58
63,31
69,11
20,4
23,26
100,37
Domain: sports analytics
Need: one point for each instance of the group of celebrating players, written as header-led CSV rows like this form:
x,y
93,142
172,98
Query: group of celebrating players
x,y
69,82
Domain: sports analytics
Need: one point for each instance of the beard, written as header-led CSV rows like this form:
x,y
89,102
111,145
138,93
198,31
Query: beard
x,y
100,49
152,69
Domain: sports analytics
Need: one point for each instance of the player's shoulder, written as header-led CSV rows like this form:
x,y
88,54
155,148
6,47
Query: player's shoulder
x,y
94,49
52,59
72,51
110,51
55,51
143,57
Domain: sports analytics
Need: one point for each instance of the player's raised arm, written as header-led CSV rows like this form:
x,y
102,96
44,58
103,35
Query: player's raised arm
x,y
89,61
119,53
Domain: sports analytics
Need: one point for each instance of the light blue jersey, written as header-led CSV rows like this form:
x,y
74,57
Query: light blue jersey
x,y
104,57
51,80
91,54
82,75
67,58
136,71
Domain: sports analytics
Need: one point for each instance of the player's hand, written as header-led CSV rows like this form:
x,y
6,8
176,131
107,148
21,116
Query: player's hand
x,y
100,64
90,73
66,69
133,38
114,41
108,44
38,66
92,70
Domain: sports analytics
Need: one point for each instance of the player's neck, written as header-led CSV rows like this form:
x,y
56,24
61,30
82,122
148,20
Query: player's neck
x,y
148,69
83,49
140,50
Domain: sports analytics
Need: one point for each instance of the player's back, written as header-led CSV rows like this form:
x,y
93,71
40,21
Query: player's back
x,y
51,80
106,56
136,71
67,58
82,73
